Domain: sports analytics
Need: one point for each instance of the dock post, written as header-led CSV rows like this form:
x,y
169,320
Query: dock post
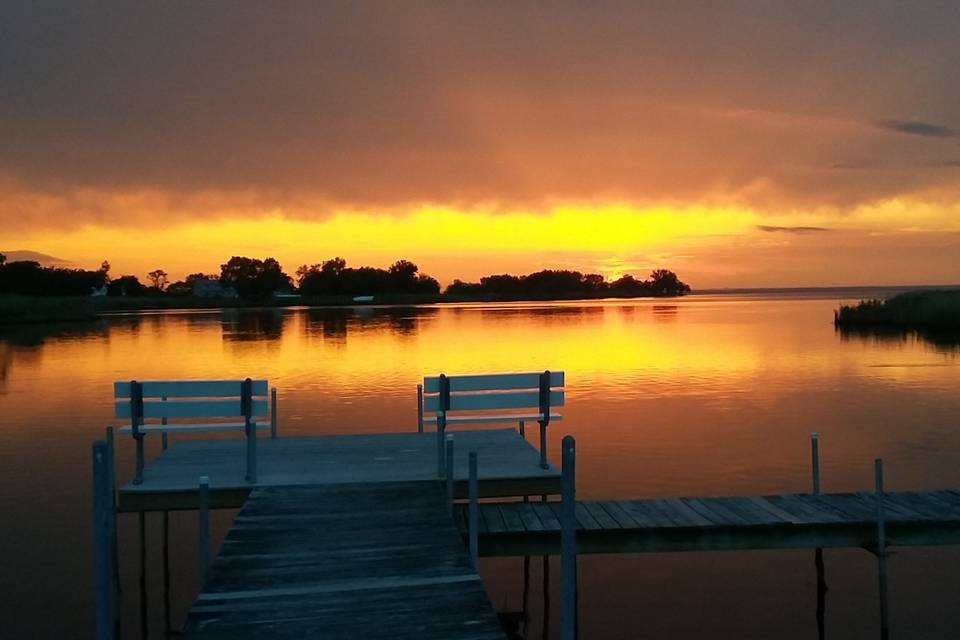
x,y
815,460
144,605
523,429
114,545
568,539
204,526
419,408
449,462
881,550
473,525
103,541
273,414
166,573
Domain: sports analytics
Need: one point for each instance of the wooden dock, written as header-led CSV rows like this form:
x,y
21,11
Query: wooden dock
x,y
372,560
510,466
791,521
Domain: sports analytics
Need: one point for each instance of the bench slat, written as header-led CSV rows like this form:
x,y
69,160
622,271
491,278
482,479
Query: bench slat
x,y
484,401
190,388
196,428
192,408
490,418
491,382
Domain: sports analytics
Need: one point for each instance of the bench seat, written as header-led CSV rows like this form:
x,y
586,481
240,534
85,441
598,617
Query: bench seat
x,y
193,428
488,418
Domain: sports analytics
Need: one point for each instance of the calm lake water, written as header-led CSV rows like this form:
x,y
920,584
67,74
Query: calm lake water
x,y
707,395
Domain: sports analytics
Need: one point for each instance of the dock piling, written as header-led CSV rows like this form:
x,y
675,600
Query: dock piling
x,y
568,539
523,429
204,526
103,541
815,460
449,473
114,545
473,526
881,550
273,414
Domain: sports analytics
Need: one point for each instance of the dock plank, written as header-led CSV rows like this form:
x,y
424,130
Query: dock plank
x,y
789,521
508,466
365,573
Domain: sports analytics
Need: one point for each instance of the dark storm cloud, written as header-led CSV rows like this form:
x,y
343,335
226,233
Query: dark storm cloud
x,y
311,106
775,229
917,128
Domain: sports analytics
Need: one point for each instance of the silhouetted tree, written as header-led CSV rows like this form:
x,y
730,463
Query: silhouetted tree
x,y
126,286
3,259
253,278
333,277
552,284
27,277
158,279
664,282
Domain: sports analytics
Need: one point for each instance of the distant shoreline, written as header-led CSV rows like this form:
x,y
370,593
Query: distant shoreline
x,y
21,310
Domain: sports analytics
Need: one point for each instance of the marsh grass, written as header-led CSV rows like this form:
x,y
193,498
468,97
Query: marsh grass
x,y
936,310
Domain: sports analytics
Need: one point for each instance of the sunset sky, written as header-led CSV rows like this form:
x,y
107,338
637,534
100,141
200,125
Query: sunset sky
x,y
739,144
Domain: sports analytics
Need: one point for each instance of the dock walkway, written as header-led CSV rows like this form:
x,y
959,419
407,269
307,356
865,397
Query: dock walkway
x,y
371,560
510,466
791,521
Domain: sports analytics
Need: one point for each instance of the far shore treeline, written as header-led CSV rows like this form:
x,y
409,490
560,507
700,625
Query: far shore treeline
x,y
254,279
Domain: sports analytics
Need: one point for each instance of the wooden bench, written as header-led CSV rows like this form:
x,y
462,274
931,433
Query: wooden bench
x,y
490,398
196,406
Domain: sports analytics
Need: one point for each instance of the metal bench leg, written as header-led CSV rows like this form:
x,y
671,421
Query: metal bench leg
x,y
138,476
543,447
252,452
441,464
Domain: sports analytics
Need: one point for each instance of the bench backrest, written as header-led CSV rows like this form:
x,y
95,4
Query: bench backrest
x,y
539,392
191,399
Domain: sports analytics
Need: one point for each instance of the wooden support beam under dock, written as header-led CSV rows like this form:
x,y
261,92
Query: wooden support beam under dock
x,y
372,560
509,466
791,521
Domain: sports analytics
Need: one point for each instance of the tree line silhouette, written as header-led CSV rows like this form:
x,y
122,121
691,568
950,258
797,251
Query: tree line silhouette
x,y
252,278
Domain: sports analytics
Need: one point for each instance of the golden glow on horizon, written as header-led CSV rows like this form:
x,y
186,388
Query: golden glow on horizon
x,y
448,243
